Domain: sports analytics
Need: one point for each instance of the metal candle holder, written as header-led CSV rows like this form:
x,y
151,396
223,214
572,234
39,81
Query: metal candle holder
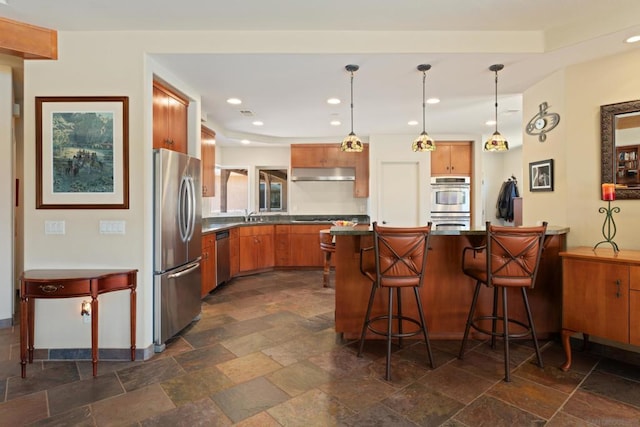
x,y
609,226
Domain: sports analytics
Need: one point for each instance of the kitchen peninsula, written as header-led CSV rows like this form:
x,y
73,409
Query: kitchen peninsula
x,y
447,292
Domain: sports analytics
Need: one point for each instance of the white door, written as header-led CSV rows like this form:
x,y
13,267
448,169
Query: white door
x,y
399,198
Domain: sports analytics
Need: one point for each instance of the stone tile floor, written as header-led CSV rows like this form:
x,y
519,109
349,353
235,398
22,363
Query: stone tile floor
x,y
265,354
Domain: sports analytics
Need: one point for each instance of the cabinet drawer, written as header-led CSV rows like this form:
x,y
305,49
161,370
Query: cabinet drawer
x,y
63,288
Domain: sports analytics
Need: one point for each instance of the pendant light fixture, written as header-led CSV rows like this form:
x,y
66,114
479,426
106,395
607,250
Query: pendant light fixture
x,y
424,142
496,142
351,143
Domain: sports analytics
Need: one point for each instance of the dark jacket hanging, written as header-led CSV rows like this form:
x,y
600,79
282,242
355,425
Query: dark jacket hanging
x,y
504,207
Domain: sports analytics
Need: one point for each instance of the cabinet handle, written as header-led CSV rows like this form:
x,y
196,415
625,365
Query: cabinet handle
x,y
49,289
618,288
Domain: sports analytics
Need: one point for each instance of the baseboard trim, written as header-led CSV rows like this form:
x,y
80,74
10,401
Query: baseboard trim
x,y
112,354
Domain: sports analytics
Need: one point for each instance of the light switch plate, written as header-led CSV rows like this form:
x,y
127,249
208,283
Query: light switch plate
x,y
54,227
112,227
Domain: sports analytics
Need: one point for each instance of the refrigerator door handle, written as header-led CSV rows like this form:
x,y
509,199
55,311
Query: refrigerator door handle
x,y
192,267
187,208
191,209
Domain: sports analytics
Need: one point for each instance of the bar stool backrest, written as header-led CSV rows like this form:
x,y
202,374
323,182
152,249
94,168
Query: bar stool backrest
x,y
513,254
401,255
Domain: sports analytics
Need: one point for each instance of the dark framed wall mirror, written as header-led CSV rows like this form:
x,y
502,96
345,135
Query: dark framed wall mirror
x,y
620,133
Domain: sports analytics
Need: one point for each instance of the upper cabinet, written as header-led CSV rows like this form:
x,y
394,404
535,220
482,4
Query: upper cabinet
x,y
170,115
208,158
451,158
330,156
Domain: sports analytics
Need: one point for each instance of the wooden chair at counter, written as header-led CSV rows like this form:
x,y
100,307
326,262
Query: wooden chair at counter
x,y
400,261
328,247
509,259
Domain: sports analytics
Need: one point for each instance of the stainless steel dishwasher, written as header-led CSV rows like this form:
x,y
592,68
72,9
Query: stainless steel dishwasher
x,y
223,264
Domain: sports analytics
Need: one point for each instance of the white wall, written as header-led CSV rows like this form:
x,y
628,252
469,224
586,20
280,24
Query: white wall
x,y
577,94
7,196
547,206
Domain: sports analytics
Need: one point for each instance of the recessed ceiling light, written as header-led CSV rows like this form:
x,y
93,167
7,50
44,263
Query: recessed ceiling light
x,y
433,100
245,141
333,101
412,122
335,122
633,39
490,122
234,101
257,123
4,2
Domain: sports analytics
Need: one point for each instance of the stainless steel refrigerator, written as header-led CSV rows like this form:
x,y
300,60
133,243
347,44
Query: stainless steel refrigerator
x,y
177,244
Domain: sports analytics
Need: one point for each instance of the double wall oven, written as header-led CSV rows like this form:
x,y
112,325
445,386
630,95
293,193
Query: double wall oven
x,y
451,202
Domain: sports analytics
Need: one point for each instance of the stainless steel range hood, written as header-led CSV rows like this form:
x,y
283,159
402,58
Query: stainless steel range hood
x,y
323,174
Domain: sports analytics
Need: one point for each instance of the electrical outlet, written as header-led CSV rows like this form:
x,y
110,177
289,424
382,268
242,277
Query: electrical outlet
x,y
86,318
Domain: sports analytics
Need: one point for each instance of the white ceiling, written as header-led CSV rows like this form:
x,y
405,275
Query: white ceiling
x,y
288,91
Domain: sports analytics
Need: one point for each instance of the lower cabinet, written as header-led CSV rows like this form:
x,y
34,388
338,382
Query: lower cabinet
x,y
600,295
208,263
305,245
298,245
256,247
282,235
596,298
234,252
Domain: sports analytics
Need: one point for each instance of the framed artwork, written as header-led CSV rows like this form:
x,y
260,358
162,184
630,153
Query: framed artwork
x,y
541,175
82,152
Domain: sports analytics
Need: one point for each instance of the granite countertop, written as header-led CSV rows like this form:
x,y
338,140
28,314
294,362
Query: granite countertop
x,y
363,230
209,225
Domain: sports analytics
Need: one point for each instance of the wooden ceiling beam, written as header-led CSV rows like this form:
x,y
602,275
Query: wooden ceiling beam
x,y
27,41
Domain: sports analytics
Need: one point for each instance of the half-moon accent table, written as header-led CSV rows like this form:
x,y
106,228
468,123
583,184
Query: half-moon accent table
x,y
62,283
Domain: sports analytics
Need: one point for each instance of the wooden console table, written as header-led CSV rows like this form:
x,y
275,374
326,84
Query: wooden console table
x,y
69,284
600,296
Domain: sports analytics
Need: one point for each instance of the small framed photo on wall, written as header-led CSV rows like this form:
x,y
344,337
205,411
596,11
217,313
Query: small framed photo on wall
x,y
541,175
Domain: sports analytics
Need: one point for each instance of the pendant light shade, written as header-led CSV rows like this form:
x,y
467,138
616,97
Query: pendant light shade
x,y
424,142
496,142
351,143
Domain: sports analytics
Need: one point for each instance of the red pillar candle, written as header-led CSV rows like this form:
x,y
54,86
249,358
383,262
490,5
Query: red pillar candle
x,y
608,192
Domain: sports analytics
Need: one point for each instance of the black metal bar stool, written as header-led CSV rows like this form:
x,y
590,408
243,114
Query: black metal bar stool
x,y
400,260
510,259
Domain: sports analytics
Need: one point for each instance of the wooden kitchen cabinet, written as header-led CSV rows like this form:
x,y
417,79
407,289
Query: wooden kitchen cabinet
x,y
234,252
256,247
208,264
319,156
330,156
282,245
451,158
170,116
305,245
208,161
600,296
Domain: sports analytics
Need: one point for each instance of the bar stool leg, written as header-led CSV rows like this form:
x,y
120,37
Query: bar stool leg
x,y
472,311
326,270
365,324
532,327
399,317
505,314
424,328
389,331
494,319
